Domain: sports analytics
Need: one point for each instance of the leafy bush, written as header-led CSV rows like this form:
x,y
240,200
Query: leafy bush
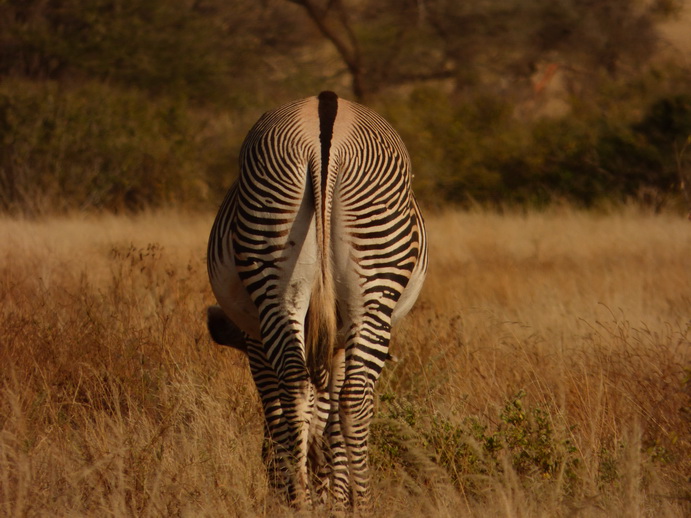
x,y
524,439
189,50
455,145
476,150
96,146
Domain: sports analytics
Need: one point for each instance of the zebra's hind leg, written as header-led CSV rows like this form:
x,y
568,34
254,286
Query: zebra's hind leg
x,y
288,397
336,447
356,415
366,352
319,465
284,445
327,455
267,385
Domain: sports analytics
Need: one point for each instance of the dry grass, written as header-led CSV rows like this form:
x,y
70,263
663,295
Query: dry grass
x,y
544,372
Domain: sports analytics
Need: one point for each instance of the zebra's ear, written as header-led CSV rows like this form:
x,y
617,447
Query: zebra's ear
x,y
223,331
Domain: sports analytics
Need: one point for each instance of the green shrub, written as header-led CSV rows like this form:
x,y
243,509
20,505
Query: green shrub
x,y
476,150
455,146
524,438
164,48
97,147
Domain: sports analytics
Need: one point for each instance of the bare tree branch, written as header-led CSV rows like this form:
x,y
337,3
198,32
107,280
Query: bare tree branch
x,y
337,29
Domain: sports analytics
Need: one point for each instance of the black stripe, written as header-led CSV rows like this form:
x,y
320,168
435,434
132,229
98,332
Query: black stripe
x,y
328,106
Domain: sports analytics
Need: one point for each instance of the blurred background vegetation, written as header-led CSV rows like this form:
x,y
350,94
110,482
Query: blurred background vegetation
x,y
124,105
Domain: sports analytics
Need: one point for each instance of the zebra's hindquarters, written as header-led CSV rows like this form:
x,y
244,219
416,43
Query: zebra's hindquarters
x,y
322,222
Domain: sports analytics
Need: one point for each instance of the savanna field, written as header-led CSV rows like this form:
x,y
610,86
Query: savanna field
x,y
545,371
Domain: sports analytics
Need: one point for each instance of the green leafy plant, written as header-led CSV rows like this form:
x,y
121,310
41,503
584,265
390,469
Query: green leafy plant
x,y
523,438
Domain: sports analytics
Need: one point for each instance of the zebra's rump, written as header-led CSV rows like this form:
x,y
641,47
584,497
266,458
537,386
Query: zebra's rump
x,y
316,251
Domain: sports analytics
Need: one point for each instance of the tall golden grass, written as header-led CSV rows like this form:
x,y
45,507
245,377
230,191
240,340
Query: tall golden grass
x,y
543,372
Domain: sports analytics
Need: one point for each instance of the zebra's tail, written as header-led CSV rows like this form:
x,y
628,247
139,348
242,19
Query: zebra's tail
x,y
322,326
322,321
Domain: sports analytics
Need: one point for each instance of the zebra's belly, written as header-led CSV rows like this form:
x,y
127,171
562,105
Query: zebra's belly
x,y
233,297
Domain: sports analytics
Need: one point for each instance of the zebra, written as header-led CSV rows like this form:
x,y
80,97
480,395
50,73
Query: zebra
x,y
317,249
